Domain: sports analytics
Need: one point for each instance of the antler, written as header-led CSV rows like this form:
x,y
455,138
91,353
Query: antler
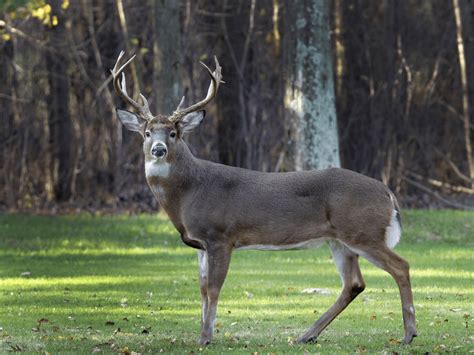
x,y
121,89
216,79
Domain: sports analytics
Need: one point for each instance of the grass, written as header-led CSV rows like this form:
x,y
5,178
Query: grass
x,y
123,284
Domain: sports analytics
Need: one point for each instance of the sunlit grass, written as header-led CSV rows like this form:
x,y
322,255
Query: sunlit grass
x,y
125,283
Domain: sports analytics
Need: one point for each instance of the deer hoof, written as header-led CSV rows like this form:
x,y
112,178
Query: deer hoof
x,y
204,340
409,337
308,339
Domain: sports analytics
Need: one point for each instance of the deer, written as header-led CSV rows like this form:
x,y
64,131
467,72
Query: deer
x,y
218,209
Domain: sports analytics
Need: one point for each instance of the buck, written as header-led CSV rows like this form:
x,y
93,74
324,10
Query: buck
x,y
218,209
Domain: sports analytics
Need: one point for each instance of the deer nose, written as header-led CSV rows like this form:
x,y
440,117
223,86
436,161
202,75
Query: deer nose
x,y
159,150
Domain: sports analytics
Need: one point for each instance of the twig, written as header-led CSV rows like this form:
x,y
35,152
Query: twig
x,y
212,14
443,184
248,38
454,167
11,98
229,46
436,195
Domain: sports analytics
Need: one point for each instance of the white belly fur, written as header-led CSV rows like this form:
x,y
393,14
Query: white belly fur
x,y
312,243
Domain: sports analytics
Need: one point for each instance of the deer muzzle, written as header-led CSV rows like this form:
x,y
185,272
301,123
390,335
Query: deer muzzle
x,y
159,150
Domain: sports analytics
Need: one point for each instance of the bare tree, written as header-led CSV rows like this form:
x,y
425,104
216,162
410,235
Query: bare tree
x,y
309,93
166,53
60,125
462,11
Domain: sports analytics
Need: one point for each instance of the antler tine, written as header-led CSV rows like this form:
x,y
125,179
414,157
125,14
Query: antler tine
x,y
121,88
216,79
181,103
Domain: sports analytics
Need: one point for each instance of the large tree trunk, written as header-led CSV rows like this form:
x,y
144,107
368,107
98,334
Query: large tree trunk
x,y
309,93
166,52
60,125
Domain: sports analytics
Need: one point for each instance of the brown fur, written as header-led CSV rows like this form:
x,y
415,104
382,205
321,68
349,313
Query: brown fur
x,y
218,208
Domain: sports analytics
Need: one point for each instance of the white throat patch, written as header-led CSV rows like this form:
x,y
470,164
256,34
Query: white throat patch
x,y
157,169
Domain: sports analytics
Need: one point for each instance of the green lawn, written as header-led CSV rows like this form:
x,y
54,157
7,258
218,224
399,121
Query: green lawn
x,y
127,284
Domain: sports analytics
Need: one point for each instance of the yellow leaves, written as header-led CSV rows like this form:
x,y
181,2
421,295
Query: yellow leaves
x,y
3,34
44,12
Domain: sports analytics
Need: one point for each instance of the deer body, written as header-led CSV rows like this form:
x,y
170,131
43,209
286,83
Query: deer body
x,y
218,209
248,208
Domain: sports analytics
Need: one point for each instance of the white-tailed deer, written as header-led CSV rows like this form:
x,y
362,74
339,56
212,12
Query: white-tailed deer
x,y
218,209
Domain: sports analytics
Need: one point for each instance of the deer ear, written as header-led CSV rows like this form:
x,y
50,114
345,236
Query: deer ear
x,y
130,120
191,121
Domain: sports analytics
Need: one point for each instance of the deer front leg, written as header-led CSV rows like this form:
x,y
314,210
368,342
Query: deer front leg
x,y
202,259
218,259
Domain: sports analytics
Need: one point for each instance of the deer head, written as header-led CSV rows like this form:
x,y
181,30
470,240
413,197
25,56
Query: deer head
x,y
161,133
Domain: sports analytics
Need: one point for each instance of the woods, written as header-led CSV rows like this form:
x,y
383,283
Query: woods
x,y
400,72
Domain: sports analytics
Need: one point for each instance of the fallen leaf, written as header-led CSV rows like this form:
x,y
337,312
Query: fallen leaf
x,y
373,317
394,341
43,320
440,348
248,294
15,347
124,302
320,291
455,309
25,274
96,350
109,322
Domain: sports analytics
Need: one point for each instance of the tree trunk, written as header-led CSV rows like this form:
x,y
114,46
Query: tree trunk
x,y
166,51
60,125
464,29
309,93
7,129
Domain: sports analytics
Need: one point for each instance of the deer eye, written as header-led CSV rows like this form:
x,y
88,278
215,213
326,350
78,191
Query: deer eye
x,y
147,134
173,134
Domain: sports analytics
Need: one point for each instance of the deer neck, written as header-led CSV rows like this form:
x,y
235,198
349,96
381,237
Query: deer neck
x,y
169,180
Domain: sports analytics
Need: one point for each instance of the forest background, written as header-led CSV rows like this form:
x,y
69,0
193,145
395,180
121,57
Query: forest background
x,y
402,72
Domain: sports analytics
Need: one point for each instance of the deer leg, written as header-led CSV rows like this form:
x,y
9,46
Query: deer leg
x,y
202,259
218,259
347,264
396,266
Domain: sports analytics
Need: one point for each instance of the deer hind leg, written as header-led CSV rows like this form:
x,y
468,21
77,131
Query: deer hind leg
x,y
202,259
396,266
218,259
347,264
